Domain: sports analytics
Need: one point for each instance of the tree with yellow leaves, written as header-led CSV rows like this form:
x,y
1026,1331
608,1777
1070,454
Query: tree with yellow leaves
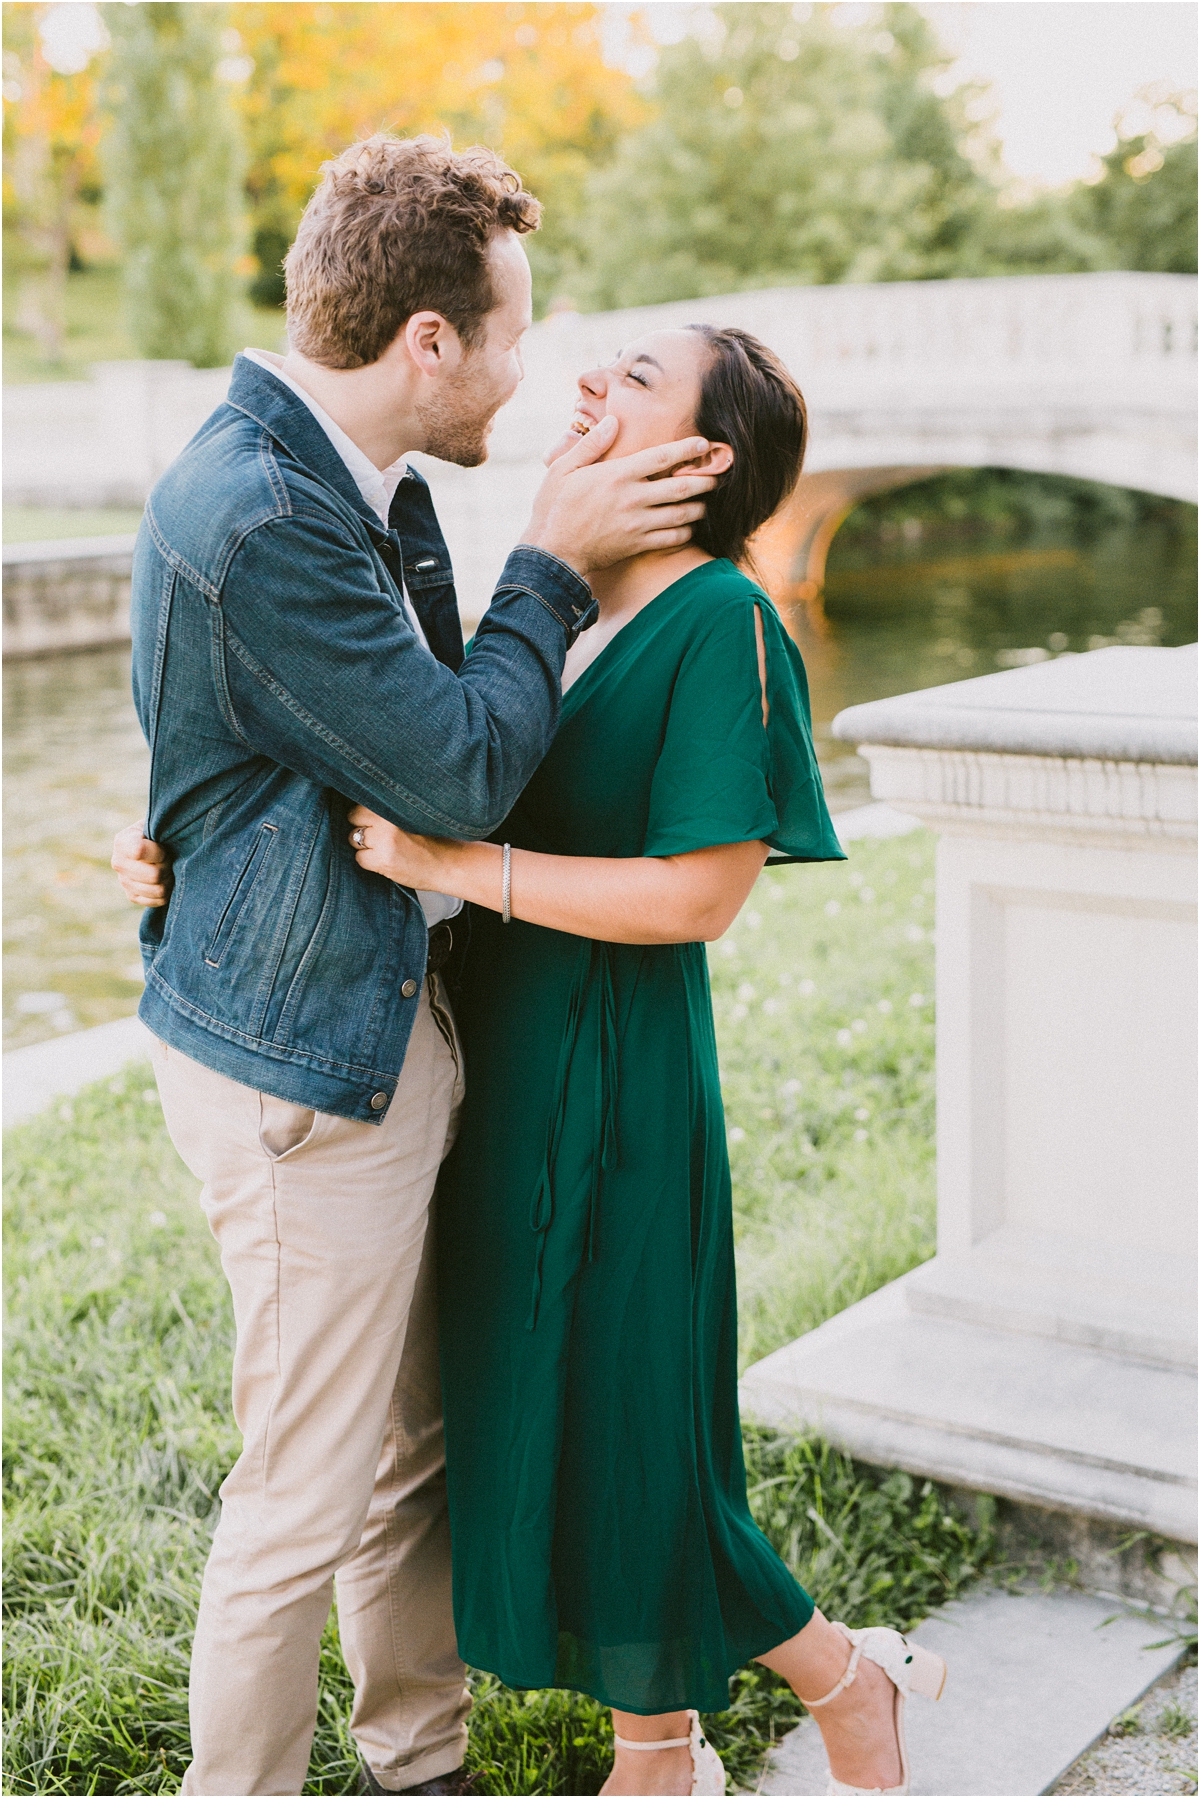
x,y
52,128
529,80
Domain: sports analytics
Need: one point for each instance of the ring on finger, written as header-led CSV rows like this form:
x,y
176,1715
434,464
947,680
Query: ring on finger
x,y
358,836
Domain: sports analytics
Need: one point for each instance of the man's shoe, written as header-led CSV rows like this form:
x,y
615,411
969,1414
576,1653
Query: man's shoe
x,y
457,1782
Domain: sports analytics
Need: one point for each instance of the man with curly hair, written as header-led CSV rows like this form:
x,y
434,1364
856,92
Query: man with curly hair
x,y
297,650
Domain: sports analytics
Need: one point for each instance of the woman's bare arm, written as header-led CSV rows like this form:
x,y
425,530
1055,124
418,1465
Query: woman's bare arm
x,y
638,899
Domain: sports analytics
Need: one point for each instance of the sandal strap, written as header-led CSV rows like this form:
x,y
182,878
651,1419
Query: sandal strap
x,y
847,1680
645,1747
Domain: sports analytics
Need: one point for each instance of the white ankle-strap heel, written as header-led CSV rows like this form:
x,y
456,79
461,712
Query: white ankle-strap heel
x,y
910,1669
708,1774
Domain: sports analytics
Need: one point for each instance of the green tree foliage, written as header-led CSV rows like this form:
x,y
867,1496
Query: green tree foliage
x,y
1138,213
175,168
1141,214
787,148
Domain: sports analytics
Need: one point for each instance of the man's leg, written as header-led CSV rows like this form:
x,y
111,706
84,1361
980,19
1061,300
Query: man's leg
x,y
321,1224
393,1597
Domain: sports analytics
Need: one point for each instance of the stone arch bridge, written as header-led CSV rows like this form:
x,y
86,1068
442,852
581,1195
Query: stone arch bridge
x,y
1087,375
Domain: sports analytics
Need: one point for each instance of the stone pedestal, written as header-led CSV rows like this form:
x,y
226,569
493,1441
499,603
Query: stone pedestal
x,y
1048,1351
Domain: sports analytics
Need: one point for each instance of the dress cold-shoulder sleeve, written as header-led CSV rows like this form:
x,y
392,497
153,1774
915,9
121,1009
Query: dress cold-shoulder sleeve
x,y
723,776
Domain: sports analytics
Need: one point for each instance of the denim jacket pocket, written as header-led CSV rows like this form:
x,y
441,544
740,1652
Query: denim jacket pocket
x,y
251,869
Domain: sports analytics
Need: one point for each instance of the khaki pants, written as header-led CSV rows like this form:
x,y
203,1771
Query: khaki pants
x,y
321,1224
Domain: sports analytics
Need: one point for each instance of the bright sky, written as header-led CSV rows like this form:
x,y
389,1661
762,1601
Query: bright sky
x,y
1060,69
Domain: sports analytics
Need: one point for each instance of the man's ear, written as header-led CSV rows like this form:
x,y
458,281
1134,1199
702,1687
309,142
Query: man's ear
x,y
717,459
431,342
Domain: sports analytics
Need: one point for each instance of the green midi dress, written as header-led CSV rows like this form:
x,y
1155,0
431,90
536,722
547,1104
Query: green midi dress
x,y
601,1535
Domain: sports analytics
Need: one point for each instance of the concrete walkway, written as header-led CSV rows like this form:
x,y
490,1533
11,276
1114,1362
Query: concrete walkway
x,y
36,1076
1035,1678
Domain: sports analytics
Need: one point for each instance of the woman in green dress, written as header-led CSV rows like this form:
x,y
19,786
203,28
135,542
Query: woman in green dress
x,y
601,1535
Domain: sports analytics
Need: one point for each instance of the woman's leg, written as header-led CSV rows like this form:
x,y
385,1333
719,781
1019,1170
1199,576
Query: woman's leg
x,y
857,1726
669,1770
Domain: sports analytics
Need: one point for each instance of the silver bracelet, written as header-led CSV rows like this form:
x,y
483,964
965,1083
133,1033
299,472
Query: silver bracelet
x,y
506,887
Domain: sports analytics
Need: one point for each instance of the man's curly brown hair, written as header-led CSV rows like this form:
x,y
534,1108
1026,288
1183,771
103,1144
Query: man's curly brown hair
x,y
397,226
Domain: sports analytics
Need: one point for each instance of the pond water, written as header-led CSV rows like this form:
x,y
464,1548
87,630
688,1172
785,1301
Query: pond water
x,y
896,616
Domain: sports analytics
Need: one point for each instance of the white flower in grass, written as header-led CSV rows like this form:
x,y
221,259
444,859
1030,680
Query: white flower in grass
x,y
746,991
884,1006
914,933
737,1134
860,1136
856,879
771,1006
738,1013
157,1219
858,1026
729,948
97,1242
832,908
867,895
150,1096
916,1000
753,920
862,1114
807,988
844,1039
791,1086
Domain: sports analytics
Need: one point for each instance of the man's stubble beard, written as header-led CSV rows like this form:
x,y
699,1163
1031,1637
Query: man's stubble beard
x,y
457,429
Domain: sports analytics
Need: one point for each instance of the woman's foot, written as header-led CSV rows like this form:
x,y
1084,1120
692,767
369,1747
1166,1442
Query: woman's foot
x,y
668,1771
668,1754
858,1727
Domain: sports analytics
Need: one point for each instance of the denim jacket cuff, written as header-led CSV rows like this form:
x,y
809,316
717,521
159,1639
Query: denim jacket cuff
x,y
558,587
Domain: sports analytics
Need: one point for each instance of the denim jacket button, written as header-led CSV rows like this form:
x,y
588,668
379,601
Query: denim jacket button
x,y
378,1101
408,989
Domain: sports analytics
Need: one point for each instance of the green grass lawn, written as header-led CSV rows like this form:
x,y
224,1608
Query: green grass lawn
x,y
34,524
118,1364
95,330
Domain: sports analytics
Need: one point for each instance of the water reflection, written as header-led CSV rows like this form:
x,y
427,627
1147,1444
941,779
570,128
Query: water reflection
x,y
75,769
897,615
913,614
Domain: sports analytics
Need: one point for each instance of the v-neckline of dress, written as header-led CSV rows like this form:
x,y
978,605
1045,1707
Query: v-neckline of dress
x,y
605,661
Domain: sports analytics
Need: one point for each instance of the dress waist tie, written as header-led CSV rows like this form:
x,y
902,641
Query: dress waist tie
x,y
594,972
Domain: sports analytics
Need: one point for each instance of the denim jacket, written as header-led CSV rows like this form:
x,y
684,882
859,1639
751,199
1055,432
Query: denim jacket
x,y
278,680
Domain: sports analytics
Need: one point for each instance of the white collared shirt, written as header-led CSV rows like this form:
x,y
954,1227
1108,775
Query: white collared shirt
x,y
377,486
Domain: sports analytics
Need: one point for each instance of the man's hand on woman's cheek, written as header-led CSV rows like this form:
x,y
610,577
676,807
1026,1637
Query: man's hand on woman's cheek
x,y
591,513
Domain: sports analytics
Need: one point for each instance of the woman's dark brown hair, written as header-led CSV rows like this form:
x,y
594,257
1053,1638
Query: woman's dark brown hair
x,y
749,401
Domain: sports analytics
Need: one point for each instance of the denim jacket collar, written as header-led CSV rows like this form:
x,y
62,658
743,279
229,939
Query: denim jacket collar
x,y
426,565
256,392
